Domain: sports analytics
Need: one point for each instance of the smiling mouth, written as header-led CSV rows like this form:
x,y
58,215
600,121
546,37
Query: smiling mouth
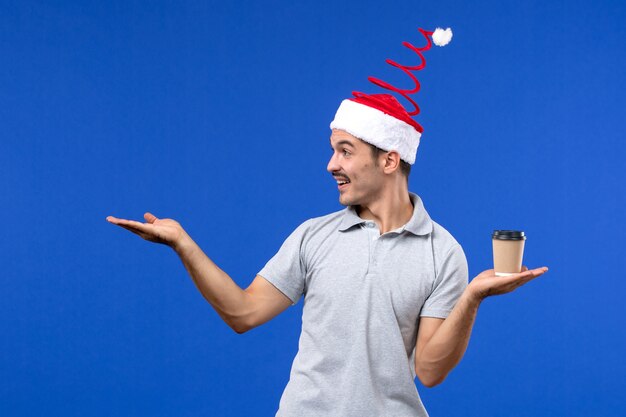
x,y
343,184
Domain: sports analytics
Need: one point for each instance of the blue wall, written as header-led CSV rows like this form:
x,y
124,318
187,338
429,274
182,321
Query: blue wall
x,y
216,114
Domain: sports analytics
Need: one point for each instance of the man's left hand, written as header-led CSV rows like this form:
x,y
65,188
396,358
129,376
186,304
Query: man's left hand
x,y
487,283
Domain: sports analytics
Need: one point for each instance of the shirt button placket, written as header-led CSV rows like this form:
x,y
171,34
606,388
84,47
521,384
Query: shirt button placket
x,y
374,236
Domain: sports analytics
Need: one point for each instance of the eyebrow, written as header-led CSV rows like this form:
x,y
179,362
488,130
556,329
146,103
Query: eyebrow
x,y
343,142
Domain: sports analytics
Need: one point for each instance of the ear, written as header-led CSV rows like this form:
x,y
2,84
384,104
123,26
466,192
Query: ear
x,y
392,162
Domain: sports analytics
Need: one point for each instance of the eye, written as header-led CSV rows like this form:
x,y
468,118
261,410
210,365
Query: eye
x,y
346,152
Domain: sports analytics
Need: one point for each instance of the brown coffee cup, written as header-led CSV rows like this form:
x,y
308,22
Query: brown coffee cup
x,y
508,251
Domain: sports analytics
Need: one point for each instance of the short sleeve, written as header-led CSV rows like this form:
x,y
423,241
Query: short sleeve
x,y
286,270
450,283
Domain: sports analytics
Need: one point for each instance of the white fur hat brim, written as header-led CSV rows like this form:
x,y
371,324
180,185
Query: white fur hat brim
x,y
377,128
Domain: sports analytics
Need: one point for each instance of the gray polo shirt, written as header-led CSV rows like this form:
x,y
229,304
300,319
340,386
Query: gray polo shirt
x,y
364,294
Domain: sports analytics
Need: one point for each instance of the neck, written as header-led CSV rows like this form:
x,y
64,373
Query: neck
x,y
391,210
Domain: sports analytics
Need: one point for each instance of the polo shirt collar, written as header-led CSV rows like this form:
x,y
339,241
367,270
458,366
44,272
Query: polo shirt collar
x,y
419,224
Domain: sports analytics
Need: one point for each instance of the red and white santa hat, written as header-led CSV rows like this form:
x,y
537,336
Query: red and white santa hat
x,y
380,119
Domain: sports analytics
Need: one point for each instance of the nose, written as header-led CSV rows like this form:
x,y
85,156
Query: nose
x,y
332,164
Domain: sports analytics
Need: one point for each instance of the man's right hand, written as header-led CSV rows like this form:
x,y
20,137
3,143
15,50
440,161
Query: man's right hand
x,y
166,231
241,309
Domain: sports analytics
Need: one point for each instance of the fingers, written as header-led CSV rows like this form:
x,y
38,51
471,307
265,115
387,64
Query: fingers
x,y
134,230
539,271
116,220
529,275
531,272
150,218
131,225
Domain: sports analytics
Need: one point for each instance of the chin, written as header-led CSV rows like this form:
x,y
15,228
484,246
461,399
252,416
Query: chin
x,y
346,201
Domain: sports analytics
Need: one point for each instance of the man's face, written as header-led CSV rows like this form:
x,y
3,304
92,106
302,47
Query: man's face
x,y
352,161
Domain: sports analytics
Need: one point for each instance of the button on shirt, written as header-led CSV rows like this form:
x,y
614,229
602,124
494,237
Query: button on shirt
x,y
364,294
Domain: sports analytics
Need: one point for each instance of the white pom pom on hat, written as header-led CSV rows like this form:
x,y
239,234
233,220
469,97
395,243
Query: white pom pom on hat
x,y
442,37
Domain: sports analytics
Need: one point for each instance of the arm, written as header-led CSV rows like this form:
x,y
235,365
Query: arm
x,y
441,343
241,309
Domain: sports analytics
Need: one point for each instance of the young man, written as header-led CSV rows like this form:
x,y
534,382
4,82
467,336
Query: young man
x,y
385,288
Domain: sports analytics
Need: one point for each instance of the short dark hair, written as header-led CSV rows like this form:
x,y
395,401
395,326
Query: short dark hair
x,y
405,167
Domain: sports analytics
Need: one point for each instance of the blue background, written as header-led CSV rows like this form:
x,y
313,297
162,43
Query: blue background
x,y
216,114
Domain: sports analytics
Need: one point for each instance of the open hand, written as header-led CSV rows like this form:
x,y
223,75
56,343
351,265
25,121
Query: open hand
x,y
487,283
166,231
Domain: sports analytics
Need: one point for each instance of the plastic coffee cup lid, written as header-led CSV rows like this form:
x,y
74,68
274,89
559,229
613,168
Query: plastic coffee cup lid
x,y
508,235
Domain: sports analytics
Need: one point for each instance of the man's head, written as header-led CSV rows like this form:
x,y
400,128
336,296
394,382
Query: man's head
x,y
379,120
363,171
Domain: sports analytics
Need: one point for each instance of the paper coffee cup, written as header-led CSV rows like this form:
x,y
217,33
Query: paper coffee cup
x,y
508,251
